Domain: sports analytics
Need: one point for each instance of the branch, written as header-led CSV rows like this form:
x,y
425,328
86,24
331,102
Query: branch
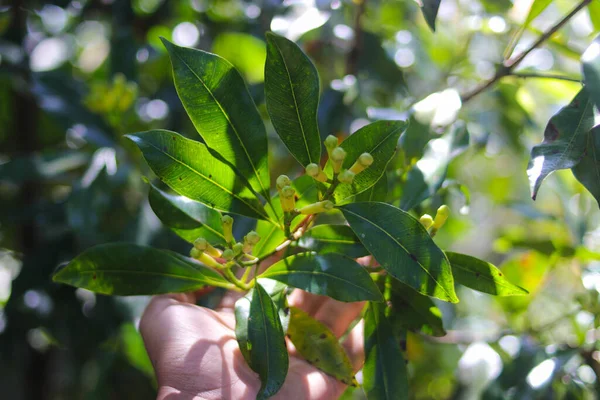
x,y
545,76
508,66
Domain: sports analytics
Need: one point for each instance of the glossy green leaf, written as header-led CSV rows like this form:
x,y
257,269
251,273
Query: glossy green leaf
x,y
278,293
384,372
190,169
268,351
247,53
217,101
590,61
332,275
429,173
430,9
380,139
319,346
403,247
564,141
482,276
594,13
414,311
588,170
124,269
187,218
333,239
377,192
292,97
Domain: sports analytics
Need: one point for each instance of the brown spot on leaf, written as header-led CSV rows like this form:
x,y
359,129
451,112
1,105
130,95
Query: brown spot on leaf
x,y
412,256
94,277
322,336
551,133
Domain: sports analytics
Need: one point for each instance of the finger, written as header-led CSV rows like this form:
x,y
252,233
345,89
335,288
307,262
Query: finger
x,y
338,316
354,346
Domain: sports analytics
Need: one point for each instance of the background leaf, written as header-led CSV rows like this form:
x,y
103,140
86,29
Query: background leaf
x,y
430,10
564,141
590,61
587,171
268,350
247,53
127,269
333,239
482,276
319,346
378,138
384,372
292,97
187,218
332,275
403,247
220,107
191,170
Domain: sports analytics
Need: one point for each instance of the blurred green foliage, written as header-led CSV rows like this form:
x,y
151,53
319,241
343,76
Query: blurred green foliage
x,y
75,76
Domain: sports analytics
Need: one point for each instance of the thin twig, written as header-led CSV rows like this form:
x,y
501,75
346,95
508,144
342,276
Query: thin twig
x,y
545,76
508,66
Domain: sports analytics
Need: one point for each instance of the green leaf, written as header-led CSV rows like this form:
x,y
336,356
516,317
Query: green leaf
x,y
333,239
482,276
124,269
217,101
588,170
429,173
380,139
403,247
537,7
187,218
384,372
332,275
590,61
564,141
190,169
292,97
246,52
268,350
430,10
319,346
377,192
414,311
594,13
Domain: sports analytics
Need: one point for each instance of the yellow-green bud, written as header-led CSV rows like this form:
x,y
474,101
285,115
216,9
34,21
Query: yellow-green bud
x,y
441,216
283,181
203,245
204,258
318,207
337,158
346,176
195,253
364,161
237,249
287,198
227,228
252,238
426,221
331,143
228,254
315,171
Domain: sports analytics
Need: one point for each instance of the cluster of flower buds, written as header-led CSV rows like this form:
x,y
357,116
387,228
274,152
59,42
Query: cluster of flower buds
x,y
207,254
287,194
434,225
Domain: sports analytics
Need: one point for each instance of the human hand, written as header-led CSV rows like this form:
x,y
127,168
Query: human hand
x,y
196,356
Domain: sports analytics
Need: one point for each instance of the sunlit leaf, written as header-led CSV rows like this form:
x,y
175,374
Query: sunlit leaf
x,y
333,239
482,276
403,247
246,52
537,7
319,346
332,275
187,218
127,269
191,170
588,170
564,141
266,340
590,61
292,97
384,372
220,107
380,140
